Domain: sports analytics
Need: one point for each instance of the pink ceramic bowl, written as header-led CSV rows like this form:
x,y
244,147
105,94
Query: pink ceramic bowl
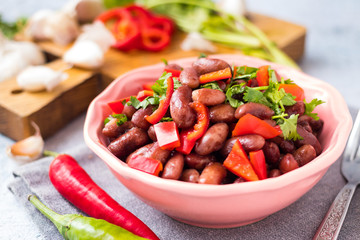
x,y
221,206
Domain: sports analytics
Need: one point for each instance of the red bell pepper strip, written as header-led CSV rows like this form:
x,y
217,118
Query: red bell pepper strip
x,y
153,39
167,135
174,72
147,86
249,124
262,76
140,14
145,164
144,94
188,137
159,113
294,90
215,76
162,23
238,163
257,160
74,184
118,106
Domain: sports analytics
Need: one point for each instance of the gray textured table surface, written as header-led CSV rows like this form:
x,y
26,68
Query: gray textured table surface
x,y
332,54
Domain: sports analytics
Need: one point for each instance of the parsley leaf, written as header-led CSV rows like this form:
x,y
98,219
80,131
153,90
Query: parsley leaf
x,y
309,107
121,118
233,91
159,87
245,72
288,127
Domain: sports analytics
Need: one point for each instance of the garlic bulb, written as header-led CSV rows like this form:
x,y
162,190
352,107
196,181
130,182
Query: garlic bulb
x,y
194,41
85,54
37,25
233,7
38,78
28,149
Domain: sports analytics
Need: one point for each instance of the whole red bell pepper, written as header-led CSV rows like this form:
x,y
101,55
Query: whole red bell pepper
x,y
238,163
249,124
145,164
167,135
189,137
257,160
159,113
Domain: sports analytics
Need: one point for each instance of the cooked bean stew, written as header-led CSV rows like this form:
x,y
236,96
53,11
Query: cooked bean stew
x,y
213,123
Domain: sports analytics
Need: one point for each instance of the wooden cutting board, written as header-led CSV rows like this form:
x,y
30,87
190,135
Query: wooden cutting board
x,y
53,110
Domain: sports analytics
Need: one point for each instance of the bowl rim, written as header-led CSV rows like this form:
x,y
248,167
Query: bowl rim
x,y
310,169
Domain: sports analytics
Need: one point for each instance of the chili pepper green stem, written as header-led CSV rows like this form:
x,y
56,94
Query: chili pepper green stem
x,y
50,153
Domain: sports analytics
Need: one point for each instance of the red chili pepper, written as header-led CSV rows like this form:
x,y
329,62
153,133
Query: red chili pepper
x,y
188,137
73,183
145,164
215,76
144,94
249,124
257,160
262,76
238,163
167,135
294,90
159,113
153,39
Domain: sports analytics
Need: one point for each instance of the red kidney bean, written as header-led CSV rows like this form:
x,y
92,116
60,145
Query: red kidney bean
x,y
308,138
151,150
151,133
304,154
288,163
222,85
239,180
139,117
213,173
222,113
198,162
270,122
251,142
189,77
129,111
180,110
271,152
206,65
285,146
128,142
316,125
253,83
190,175
257,109
208,97
173,66
112,130
297,108
174,167
274,173
213,139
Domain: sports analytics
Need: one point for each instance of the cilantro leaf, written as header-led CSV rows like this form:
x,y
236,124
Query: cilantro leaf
x,y
159,87
245,72
309,107
121,118
211,85
288,127
234,90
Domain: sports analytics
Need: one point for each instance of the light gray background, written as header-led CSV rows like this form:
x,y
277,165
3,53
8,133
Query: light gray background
x,y
332,54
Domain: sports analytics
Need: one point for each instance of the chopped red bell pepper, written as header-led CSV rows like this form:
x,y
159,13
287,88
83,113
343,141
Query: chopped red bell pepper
x,y
174,72
262,76
167,135
188,137
294,90
144,94
159,113
238,163
249,124
257,160
118,106
147,86
215,76
145,164
153,39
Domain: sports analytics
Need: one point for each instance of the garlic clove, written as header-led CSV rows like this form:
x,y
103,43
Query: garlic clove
x,y
38,78
194,41
85,54
28,149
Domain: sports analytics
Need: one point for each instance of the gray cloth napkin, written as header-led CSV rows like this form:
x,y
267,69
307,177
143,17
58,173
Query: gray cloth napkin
x,y
298,221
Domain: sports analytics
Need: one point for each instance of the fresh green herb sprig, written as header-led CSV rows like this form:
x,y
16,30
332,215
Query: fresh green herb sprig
x,y
121,118
11,29
211,85
309,108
